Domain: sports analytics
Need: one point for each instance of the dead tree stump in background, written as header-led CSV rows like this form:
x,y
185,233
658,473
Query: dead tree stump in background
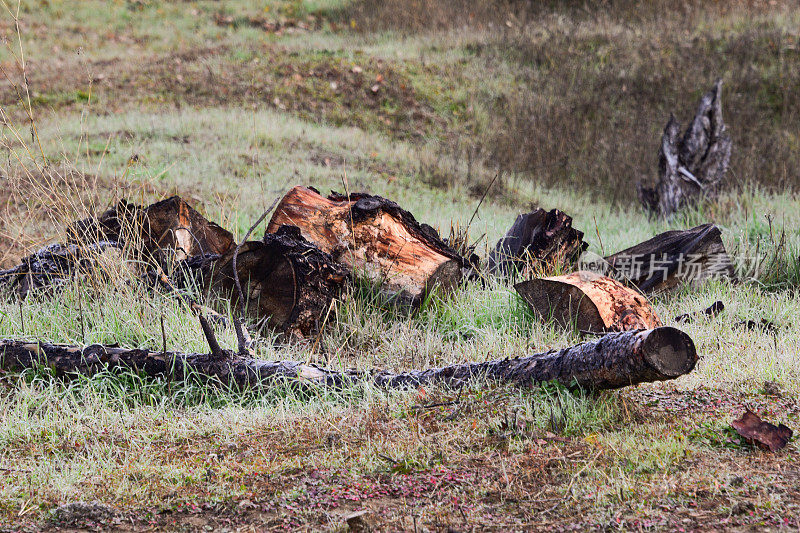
x,y
543,236
375,236
588,301
692,166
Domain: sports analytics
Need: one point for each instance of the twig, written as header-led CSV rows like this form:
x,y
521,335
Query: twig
x,y
236,254
245,342
475,213
163,334
213,345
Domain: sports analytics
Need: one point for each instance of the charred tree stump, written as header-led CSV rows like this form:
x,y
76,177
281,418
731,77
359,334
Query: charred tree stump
x,y
542,236
375,236
613,361
170,227
288,282
674,257
588,301
691,166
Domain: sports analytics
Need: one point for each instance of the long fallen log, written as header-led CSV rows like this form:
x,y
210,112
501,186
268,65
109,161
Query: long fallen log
x,y
613,361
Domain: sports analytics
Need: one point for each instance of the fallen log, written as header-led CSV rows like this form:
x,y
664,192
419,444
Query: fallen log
x,y
56,264
612,361
373,236
668,259
287,282
588,301
545,237
691,166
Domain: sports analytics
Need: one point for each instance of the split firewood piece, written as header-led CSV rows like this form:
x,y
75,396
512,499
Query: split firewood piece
x,y
287,281
375,236
612,361
588,301
543,236
765,435
679,256
56,264
171,226
691,166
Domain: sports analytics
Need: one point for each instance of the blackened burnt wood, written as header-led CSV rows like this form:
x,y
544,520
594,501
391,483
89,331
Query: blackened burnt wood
x,y
287,281
541,236
691,166
376,238
673,257
613,361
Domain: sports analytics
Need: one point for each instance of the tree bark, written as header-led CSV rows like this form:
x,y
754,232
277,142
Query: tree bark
x,y
373,236
691,166
541,236
588,301
613,361
674,257
287,281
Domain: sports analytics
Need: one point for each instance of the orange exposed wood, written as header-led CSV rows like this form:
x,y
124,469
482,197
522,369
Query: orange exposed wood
x,y
589,301
374,236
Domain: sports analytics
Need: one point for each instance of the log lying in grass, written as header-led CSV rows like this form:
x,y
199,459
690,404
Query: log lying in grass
x,y
588,301
287,282
541,236
613,361
691,166
375,236
171,226
56,264
674,257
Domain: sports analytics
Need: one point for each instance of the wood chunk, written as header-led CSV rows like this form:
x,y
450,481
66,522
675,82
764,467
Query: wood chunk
x,y
612,361
373,236
674,257
287,281
170,226
766,435
691,166
588,301
542,236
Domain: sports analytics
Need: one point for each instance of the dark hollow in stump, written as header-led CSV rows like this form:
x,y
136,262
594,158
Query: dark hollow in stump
x,y
287,281
171,226
679,256
374,236
691,166
613,361
588,301
544,236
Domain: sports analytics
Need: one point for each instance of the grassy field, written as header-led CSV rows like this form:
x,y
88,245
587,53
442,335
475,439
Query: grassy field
x,y
230,104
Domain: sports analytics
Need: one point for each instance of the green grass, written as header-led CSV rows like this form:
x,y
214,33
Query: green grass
x,y
540,102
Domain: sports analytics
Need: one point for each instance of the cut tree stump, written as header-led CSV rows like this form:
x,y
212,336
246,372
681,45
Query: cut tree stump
x,y
691,166
287,281
674,257
169,228
613,361
374,236
588,301
542,236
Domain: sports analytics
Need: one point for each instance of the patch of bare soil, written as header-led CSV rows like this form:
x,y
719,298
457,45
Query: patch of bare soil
x,y
372,94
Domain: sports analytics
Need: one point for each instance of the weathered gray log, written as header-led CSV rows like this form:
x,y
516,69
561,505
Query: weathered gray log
x,y
541,236
692,166
679,256
613,361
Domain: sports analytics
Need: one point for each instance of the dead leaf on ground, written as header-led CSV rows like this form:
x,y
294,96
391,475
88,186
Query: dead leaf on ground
x,y
766,435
